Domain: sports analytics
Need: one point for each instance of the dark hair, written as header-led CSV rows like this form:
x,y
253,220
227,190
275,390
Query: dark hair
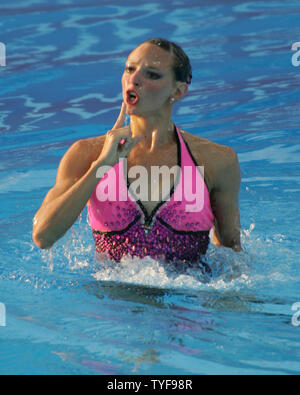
x,y
182,67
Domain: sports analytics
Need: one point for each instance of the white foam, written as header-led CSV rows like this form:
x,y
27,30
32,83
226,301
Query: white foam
x,y
149,272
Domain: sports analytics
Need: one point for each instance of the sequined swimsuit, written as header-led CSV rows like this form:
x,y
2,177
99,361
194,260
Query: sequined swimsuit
x,y
174,231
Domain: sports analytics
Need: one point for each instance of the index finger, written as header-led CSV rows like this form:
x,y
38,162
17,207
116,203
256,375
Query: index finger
x,y
121,118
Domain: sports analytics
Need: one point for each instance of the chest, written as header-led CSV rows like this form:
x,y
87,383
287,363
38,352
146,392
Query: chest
x,y
152,177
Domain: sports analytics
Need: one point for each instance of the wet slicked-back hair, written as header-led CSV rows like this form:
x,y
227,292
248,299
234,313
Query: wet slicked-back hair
x,y
181,67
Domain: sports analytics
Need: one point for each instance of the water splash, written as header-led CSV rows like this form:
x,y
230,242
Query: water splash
x,y
228,269
72,261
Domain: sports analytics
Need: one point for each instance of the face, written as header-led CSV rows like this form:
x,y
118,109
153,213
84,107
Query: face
x,y
148,81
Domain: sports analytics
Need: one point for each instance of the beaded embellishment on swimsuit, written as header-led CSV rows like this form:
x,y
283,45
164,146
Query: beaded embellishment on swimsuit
x,y
171,232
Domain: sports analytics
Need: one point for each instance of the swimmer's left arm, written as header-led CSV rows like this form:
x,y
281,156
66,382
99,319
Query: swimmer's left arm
x,y
225,203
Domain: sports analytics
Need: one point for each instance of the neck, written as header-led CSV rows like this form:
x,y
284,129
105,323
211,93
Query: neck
x,y
156,132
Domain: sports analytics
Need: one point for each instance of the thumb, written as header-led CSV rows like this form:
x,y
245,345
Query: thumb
x,y
128,145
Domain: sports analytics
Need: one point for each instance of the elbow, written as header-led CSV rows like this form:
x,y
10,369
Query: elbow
x,y
234,244
41,236
41,242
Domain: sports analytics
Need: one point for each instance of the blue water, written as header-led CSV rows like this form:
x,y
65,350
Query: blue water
x,y
66,313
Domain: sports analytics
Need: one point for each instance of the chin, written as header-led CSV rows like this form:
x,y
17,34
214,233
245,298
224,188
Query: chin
x,y
133,111
130,111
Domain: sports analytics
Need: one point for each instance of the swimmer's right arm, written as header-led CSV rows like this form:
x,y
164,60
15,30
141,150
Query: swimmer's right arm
x,y
64,202
76,179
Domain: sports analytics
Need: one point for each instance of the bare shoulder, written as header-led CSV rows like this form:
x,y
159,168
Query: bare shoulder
x,y
89,148
217,159
79,157
204,147
92,146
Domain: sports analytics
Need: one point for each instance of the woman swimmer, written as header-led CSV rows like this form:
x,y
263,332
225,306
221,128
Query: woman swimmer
x,y
157,74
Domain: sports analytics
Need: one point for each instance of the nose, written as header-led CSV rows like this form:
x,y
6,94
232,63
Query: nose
x,y
135,78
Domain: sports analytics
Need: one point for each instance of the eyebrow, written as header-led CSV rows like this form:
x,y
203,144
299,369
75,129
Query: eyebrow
x,y
147,66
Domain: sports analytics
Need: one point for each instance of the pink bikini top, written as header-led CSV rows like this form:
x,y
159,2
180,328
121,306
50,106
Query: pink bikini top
x,y
177,228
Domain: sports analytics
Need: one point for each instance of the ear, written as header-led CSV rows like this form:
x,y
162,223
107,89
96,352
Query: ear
x,y
180,90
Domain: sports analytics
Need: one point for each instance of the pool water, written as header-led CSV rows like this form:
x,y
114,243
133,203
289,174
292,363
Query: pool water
x,y
67,313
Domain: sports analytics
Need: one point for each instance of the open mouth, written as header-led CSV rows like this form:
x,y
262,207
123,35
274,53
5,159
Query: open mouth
x,y
132,97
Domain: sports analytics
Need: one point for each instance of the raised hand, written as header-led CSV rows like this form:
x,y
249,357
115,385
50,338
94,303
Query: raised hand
x,y
118,142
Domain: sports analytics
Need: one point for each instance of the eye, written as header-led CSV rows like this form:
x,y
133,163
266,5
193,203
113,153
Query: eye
x,y
129,69
153,76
